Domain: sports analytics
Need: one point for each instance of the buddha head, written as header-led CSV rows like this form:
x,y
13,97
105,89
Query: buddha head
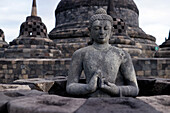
x,y
101,27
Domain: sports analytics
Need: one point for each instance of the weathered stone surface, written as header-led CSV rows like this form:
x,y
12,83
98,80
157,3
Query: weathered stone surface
x,y
115,105
160,103
59,87
161,87
41,84
11,87
33,41
6,96
152,67
153,86
146,86
104,66
72,21
14,69
45,104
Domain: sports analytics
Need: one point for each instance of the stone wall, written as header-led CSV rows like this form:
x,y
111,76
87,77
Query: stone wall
x,y
156,67
13,69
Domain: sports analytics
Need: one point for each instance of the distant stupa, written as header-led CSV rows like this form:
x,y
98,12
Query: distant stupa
x,y
3,43
33,40
164,50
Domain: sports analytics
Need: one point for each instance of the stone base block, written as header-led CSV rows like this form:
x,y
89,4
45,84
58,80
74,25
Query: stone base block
x,y
45,104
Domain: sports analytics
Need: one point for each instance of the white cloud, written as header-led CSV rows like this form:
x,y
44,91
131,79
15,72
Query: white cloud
x,y
154,16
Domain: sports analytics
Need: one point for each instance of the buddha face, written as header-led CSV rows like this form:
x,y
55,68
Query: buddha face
x,y
101,31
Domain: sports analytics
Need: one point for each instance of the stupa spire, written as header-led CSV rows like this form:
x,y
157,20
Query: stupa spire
x,y
34,8
169,35
111,10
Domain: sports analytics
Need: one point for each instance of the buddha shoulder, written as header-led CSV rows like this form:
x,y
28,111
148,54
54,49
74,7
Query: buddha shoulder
x,y
82,51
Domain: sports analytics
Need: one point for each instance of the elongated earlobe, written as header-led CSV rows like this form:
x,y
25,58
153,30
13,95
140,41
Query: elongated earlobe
x,y
112,31
89,28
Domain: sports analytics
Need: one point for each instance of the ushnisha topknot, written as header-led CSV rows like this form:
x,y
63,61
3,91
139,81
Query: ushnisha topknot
x,y
100,14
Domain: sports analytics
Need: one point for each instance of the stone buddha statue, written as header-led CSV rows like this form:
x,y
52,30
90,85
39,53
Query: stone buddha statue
x,y
108,70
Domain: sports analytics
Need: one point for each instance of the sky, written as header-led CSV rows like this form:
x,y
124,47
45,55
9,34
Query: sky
x,y
153,16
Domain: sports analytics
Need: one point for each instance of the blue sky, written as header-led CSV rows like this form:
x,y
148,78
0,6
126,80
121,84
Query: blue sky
x,y
153,16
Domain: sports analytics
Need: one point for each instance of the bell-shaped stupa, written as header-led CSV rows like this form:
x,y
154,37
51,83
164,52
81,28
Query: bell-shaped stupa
x,y
164,50
72,20
33,40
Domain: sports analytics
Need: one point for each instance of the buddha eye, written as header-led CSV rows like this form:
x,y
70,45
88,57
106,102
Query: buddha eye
x,y
106,28
96,28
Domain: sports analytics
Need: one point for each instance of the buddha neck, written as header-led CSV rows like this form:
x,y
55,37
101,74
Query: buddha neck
x,y
101,46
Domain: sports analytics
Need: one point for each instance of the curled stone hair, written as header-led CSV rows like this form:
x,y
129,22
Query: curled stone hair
x,y
101,14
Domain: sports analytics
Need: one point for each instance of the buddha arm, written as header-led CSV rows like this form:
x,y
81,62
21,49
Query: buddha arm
x,y
73,87
128,72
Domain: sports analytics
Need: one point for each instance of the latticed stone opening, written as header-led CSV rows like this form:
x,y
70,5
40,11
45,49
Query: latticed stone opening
x,y
32,28
119,26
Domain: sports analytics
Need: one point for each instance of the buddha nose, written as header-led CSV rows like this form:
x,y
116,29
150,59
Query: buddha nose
x,y
102,32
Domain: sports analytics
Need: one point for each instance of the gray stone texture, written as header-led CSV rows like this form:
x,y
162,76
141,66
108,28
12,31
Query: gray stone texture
x,y
155,86
14,69
116,105
45,104
160,103
12,87
37,83
72,20
152,67
7,96
39,102
59,87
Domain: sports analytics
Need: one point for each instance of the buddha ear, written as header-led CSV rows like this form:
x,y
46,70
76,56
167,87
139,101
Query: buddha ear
x,y
112,31
89,28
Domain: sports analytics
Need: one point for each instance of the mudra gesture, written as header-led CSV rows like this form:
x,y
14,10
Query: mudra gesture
x,y
108,70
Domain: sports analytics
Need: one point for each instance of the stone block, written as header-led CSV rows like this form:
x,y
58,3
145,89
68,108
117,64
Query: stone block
x,y
7,96
11,87
140,73
148,73
160,103
37,83
116,105
45,104
161,87
59,87
146,86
